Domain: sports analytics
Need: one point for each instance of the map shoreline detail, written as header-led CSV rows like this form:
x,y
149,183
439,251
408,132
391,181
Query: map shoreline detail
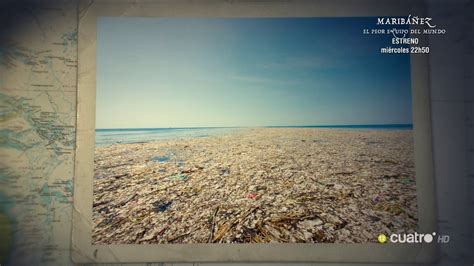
x,y
38,81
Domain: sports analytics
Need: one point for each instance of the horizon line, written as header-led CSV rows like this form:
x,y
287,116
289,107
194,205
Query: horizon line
x,y
285,126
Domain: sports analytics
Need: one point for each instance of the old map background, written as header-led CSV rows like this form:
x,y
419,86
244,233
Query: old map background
x,y
38,75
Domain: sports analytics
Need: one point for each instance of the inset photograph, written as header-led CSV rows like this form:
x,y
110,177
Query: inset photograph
x,y
250,130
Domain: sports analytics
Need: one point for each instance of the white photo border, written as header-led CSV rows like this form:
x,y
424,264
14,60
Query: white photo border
x,y
83,251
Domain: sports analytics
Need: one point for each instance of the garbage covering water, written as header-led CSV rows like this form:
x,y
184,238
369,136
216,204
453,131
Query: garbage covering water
x,y
257,186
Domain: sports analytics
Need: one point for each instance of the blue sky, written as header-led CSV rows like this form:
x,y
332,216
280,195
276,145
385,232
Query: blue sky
x,y
174,72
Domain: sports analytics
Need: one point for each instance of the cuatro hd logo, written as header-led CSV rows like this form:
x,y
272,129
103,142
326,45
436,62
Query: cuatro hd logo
x,y
413,238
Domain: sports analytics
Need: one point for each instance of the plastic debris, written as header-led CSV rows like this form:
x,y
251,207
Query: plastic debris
x,y
257,186
161,206
161,159
181,177
251,195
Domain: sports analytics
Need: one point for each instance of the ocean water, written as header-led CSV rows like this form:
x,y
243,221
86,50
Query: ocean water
x,y
137,135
